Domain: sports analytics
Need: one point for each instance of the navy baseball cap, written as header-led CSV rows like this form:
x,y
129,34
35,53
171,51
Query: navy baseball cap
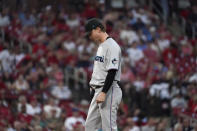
x,y
92,24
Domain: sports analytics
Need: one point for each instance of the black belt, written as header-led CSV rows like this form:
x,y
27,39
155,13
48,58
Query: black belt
x,y
95,87
118,82
99,86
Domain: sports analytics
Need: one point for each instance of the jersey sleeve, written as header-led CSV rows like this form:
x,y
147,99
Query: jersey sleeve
x,y
113,61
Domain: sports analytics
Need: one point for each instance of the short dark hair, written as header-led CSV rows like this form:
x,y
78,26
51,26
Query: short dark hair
x,y
93,24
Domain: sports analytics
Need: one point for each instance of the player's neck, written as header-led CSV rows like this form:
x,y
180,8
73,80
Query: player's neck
x,y
103,37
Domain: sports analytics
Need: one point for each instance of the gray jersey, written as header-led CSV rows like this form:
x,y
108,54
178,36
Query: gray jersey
x,y
108,57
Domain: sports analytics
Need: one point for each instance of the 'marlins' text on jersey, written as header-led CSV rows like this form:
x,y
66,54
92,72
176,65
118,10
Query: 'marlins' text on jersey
x,y
108,57
99,58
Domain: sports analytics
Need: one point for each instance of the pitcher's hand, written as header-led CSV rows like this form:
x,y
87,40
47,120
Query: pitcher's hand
x,y
101,97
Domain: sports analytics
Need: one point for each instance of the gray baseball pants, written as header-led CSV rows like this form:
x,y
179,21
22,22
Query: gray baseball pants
x,y
104,115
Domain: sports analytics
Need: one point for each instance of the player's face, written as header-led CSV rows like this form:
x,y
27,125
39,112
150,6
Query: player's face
x,y
95,35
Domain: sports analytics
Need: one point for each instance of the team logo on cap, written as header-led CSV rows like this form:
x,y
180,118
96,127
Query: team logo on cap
x,y
114,61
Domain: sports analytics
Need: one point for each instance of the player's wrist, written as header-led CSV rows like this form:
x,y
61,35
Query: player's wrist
x,y
103,92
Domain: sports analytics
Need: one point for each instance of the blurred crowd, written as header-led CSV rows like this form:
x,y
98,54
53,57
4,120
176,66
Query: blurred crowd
x,y
159,68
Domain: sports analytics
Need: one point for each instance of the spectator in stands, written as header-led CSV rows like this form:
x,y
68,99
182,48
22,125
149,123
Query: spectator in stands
x,y
150,126
51,108
175,90
20,84
178,127
193,15
69,45
10,129
61,91
195,127
131,126
38,128
27,19
194,104
84,105
24,117
54,122
179,102
175,29
84,61
191,22
90,10
73,20
193,78
162,125
127,74
135,54
7,60
4,18
17,126
36,120
163,42
129,35
150,53
160,89
139,84
74,120
22,102
186,125
34,107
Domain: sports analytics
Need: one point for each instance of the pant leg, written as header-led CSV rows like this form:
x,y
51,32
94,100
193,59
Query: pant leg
x,y
109,108
93,121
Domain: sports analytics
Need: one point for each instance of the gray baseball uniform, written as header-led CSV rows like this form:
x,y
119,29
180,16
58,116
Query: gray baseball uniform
x,y
104,115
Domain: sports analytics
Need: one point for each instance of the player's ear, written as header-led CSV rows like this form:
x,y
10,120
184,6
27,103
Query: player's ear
x,y
98,29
